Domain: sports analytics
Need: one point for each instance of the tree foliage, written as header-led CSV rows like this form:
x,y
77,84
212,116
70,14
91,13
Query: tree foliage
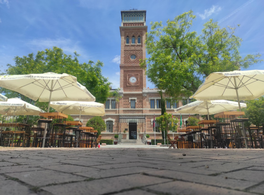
x,y
97,123
180,59
55,60
193,121
167,122
255,111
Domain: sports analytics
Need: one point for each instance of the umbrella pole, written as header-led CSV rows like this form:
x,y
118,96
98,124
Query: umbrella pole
x,y
45,132
208,119
237,94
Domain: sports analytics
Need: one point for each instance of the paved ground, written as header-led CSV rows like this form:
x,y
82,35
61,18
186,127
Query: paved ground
x,y
129,171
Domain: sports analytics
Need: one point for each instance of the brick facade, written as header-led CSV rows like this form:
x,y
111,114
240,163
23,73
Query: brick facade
x,y
133,91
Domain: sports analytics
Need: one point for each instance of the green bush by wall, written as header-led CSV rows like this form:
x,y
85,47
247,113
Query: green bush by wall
x,y
158,141
107,141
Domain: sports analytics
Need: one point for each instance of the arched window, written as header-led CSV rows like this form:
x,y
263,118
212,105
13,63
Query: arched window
x,y
133,40
127,40
139,40
109,126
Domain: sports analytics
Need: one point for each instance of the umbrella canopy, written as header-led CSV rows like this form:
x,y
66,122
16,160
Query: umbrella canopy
x,y
208,107
240,85
47,87
79,107
3,98
16,106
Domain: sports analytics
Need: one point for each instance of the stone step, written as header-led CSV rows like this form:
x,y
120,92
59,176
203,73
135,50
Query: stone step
x,y
130,142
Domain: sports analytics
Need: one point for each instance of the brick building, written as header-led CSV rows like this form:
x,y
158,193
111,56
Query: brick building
x,y
132,116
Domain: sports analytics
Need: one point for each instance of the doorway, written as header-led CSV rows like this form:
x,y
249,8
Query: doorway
x,y
132,130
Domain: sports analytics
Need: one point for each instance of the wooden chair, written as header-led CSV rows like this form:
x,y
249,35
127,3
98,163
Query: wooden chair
x,y
98,141
172,142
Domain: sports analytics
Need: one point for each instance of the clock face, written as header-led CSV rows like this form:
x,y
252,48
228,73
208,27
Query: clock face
x,y
132,79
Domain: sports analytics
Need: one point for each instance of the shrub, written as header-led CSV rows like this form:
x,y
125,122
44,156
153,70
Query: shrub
x,y
158,141
147,136
107,141
192,121
116,136
97,123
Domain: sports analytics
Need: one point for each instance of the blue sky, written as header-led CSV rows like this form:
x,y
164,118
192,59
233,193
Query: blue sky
x,y
91,27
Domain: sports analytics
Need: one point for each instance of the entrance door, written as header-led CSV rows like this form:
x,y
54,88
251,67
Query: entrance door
x,y
132,130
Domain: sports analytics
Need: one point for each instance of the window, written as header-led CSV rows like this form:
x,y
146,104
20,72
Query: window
x,y
133,56
127,40
168,102
109,126
152,103
110,104
133,17
174,104
107,104
113,104
158,103
139,40
133,103
133,40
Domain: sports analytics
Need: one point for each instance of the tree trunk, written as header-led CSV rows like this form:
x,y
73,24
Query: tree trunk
x,y
162,104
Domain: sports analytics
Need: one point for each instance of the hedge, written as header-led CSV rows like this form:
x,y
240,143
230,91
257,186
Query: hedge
x,y
158,141
107,141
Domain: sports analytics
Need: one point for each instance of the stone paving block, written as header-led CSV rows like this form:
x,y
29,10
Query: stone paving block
x,y
258,189
18,168
119,165
114,172
4,164
220,180
103,186
248,175
135,192
186,188
257,168
10,187
42,178
82,163
70,168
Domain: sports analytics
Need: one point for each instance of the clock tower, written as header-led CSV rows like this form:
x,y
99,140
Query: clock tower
x,y
133,33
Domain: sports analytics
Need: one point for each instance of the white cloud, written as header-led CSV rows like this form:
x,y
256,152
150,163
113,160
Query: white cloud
x,y
117,73
209,12
67,45
116,59
5,2
236,10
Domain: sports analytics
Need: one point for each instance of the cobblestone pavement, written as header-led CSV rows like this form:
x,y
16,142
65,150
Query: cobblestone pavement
x,y
129,171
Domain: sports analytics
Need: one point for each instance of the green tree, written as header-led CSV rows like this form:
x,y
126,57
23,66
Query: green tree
x,y
180,59
55,60
166,122
97,123
255,111
193,121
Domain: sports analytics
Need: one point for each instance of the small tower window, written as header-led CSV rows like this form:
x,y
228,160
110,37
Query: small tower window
x,y
139,40
127,40
133,40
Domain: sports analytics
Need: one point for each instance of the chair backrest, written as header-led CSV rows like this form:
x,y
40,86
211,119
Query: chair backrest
x,y
99,138
168,137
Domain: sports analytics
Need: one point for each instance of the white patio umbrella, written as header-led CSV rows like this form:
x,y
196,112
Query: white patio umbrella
x,y
208,107
79,107
240,85
3,98
16,106
47,87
